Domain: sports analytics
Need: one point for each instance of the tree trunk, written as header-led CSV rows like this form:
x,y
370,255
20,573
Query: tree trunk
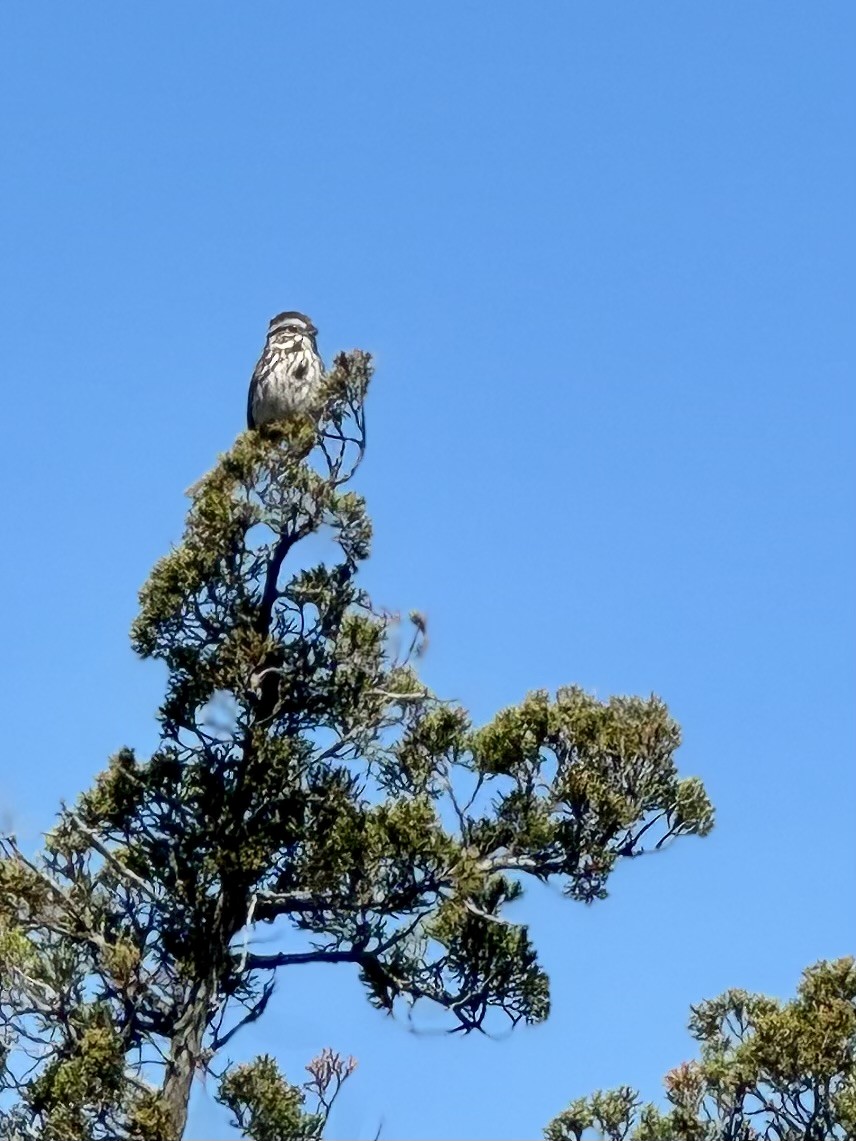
x,y
186,1051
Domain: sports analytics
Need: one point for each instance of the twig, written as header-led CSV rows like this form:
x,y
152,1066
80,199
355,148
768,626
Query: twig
x,y
111,857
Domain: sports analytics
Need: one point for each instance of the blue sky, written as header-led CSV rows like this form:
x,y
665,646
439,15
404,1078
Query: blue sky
x,y
604,256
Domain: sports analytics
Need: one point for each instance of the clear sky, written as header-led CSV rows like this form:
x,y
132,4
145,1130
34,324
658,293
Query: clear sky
x,y
604,255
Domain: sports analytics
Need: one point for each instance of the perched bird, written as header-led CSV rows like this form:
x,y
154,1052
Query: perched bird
x,y
288,375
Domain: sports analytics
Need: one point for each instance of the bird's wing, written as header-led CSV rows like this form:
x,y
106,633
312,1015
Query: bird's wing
x,y
251,423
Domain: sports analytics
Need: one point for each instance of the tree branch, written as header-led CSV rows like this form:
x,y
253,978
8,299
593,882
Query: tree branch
x,y
273,962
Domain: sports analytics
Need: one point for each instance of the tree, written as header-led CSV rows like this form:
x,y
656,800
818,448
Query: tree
x,y
304,774
768,1070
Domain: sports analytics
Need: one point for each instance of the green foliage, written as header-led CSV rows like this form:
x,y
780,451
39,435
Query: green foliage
x,y
768,1070
305,775
265,1106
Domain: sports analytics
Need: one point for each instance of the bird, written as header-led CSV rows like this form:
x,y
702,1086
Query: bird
x,y
289,373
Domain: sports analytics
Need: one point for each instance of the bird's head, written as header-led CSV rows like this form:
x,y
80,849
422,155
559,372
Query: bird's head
x,y
292,324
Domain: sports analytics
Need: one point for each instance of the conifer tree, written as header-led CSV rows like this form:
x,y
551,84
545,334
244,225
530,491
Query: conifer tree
x,y
304,774
768,1071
